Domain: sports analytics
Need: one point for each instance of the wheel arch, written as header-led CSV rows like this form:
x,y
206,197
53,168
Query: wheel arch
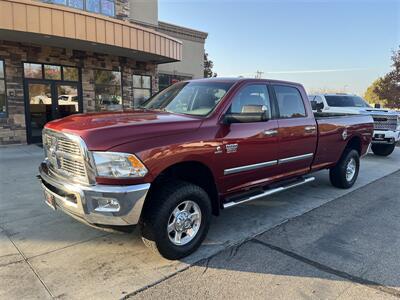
x,y
192,171
354,143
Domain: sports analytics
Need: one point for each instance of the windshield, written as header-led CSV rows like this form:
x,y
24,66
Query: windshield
x,y
346,101
192,98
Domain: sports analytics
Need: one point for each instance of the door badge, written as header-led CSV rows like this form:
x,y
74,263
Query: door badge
x,y
231,148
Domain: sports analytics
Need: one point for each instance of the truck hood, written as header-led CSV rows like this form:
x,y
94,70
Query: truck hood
x,y
102,131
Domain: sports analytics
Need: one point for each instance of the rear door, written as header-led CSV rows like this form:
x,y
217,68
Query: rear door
x,y
297,130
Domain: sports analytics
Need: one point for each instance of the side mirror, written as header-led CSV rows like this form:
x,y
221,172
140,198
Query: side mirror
x,y
319,106
313,105
377,105
230,118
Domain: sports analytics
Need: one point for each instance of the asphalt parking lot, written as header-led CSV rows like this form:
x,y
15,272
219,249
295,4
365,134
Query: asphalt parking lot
x,y
45,254
344,249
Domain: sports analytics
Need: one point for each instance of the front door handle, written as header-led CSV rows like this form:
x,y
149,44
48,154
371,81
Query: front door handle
x,y
310,129
272,132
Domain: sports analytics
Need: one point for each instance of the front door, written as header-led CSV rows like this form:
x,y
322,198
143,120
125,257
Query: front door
x,y
47,101
250,153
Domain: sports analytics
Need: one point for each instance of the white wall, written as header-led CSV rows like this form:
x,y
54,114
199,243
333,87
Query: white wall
x,y
192,61
145,11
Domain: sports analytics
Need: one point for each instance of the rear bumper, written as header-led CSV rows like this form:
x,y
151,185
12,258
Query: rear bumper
x,y
82,202
385,137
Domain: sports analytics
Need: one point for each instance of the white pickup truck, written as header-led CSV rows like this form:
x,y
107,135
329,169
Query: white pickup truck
x,y
386,122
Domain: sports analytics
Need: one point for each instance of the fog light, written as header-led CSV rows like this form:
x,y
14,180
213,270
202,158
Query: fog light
x,y
107,204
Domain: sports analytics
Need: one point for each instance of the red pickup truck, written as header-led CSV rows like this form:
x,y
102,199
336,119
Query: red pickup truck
x,y
192,150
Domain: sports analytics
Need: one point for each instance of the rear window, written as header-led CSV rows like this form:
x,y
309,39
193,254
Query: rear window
x,y
345,101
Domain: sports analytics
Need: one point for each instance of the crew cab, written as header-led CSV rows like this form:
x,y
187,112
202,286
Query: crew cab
x,y
194,149
386,122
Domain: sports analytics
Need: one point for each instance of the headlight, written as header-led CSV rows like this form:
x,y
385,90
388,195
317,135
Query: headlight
x,y
118,165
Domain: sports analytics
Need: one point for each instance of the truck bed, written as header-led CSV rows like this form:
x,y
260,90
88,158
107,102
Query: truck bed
x,y
334,130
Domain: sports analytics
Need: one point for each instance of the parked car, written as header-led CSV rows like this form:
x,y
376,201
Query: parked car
x,y
386,122
70,100
192,150
40,99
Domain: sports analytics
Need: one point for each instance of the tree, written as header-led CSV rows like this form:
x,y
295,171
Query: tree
x,y
388,86
372,97
208,65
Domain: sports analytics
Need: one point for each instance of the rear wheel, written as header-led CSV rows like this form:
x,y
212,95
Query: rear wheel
x,y
177,219
345,173
383,149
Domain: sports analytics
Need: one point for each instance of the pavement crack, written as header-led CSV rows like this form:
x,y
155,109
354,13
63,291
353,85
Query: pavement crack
x,y
29,264
206,266
327,269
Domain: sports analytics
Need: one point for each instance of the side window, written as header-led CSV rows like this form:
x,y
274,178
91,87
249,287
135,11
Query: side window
x,y
252,99
290,102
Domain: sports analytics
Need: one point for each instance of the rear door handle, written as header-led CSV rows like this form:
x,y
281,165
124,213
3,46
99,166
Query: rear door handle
x,y
272,132
310,129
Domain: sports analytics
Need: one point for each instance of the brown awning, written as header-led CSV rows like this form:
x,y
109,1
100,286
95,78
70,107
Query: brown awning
x,y
56,25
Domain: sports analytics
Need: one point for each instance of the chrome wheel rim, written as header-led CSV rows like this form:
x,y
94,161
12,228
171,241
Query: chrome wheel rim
x,y
184,223
351,169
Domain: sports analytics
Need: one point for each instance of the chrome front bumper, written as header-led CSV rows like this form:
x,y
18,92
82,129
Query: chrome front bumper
x,y
386,137
81,201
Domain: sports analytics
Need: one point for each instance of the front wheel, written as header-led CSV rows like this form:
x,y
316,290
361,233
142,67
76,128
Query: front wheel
x,y
177,219
345,173
383,149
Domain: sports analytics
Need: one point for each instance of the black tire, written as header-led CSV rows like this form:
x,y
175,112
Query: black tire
x,y
383,149
338,173
156,216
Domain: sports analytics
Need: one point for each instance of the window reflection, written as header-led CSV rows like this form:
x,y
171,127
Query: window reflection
x,y
71,73
33,70
108,95
3,103
105,7
52,72
141,89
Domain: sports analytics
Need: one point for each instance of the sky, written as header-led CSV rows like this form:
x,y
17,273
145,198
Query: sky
x,y
334,45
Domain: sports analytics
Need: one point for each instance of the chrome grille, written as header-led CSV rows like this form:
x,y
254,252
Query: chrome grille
x,y
65,156
73,167
68,146
385,122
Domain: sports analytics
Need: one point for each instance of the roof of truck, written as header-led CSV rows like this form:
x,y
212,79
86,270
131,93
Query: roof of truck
x,y
241,79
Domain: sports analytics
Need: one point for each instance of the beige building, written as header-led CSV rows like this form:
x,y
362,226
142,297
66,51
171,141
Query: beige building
x,y
71,56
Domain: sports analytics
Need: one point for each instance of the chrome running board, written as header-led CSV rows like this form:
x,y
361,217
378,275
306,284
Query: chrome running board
x,y
270,192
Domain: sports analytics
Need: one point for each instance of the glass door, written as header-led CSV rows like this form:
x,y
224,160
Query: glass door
x,y
47,101
40,105
67,100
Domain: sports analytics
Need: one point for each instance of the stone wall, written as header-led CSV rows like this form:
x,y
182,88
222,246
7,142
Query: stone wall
x,y
13,128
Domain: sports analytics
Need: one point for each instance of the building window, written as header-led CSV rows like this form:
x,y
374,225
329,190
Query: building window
x,y
105,7
165,80
70,74
76,4
108,92
50,72
33,71
3,100
141,88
